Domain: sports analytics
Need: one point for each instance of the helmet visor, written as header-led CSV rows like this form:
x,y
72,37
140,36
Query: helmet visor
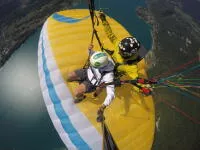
x,y
126,54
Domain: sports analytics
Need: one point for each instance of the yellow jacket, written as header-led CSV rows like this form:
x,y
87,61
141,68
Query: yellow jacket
x,y
129,69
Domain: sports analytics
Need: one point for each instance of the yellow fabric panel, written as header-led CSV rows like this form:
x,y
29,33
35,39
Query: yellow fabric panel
x,y
130,117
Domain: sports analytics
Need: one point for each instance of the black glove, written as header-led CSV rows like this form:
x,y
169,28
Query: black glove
x,y
101,110
100,116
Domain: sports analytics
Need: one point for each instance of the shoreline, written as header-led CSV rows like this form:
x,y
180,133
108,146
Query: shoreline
x,y
145,14
14,47
15,32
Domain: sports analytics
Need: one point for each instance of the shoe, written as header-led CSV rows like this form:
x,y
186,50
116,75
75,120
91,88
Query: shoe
x,y
79,99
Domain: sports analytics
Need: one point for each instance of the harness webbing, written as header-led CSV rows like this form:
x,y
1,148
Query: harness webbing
x,y
92,15
94,32
95,77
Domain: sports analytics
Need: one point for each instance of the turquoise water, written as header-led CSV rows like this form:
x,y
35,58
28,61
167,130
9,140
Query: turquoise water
x,y
24,121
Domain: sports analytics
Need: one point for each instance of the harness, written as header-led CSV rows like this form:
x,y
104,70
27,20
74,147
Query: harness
x,y
102,72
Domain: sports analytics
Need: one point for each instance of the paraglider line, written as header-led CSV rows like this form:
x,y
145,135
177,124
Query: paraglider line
x,y
184,89
185,71
172,106
178,68
181,92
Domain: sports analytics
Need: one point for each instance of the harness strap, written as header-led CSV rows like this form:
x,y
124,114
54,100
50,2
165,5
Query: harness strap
x,y
95,76
92,15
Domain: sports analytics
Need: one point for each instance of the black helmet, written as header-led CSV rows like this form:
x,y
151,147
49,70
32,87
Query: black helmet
x,y
128,47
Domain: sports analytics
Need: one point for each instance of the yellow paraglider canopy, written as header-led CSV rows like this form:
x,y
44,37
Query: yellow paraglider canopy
x,y
131,116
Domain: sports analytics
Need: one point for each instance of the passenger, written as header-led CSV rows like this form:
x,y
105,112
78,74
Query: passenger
x,y
99,71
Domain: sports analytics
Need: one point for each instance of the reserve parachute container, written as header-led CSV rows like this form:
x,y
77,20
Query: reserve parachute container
x,y
63,48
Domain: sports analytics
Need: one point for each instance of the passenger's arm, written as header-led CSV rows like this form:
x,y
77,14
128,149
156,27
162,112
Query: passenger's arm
x,y
110,89
109,98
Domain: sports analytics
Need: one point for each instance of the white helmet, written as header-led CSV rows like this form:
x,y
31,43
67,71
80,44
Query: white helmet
x,y
99,59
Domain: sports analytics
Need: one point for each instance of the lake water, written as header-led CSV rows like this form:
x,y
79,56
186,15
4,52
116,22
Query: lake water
x,y
24,121
192,7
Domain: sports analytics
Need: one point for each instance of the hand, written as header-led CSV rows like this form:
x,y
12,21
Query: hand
x,y
102,85
102,16
90,47
95,94
98,90
100,116
101,110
